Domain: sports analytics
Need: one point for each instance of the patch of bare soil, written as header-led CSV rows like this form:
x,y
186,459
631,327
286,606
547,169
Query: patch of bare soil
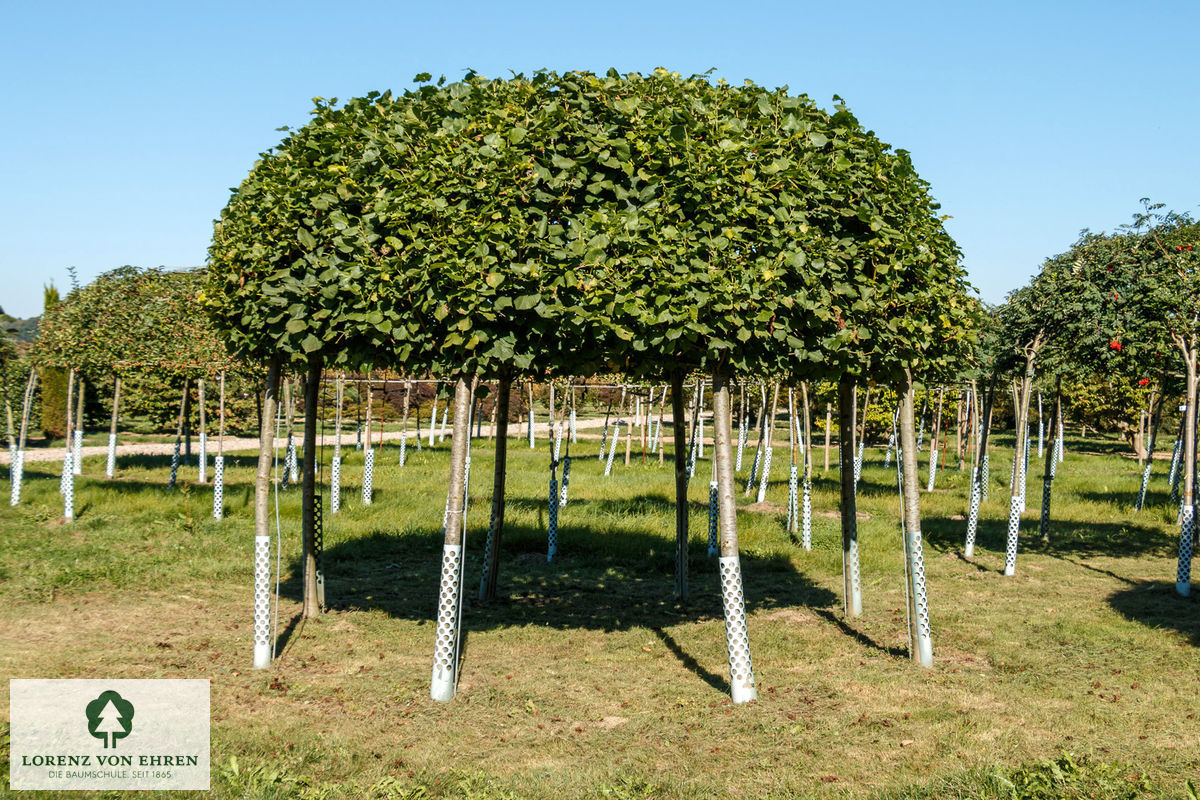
x,y
838,514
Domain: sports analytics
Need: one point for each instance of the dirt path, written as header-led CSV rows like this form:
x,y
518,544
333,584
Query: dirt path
x,y
235,444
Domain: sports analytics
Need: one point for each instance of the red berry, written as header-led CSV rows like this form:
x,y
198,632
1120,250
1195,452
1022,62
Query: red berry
x,y
1144,382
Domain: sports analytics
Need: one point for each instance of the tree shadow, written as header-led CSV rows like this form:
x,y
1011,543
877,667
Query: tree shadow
x,y
1156,604
602,580
1067,537
857,635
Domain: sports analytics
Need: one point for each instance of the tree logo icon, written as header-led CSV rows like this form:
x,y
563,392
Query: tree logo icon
x,y
110,717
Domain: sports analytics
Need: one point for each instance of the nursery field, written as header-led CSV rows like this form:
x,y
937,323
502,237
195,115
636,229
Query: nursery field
x,y
1076,678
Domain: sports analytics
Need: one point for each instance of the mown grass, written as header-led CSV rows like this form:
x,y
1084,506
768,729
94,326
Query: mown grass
x,y
1075,678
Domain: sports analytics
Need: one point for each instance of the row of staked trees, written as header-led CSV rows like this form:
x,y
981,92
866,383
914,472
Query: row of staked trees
x,y
1118,307
565,224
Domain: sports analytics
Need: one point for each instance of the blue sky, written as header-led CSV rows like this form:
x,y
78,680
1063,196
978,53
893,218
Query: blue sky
x,y
127,123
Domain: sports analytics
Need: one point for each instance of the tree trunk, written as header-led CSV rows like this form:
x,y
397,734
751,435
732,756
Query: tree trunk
x,y
681,486
491,554
262,519
828,432
112,428
308,491
1183,580
449,618
1021,392
920,643
741,670
852,585
978,474
203,432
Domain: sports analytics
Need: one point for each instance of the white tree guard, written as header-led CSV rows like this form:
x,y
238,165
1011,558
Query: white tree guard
x,y
603,442
433,419
69,492
916,574
218,510
566,481
557,445
766,476
445,417
754,469
612,450
552,517
335,485
973,515
403,450
714,527
986,479
66,470
77,458
1187,532
1014,527
854,601
17,472
1041,433
203,459
368,477
574,430
921,435
806,516
737,638
292,466
933,459
110,463
1059,444
858,462
737,467
529,427
445,649
793,505
658,442
358,437
1025,474
1141,498
699,440
174,465
1173,475
692,459
262,602
887,457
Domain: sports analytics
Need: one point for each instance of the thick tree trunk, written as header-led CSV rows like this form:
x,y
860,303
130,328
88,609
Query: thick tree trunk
x,y
308,492
491,553
852,584
920,643
449,618
262,519
741,670
681,486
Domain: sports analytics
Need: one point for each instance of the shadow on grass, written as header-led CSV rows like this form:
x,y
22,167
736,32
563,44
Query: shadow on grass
x,y
1157,605
601,580
1067,537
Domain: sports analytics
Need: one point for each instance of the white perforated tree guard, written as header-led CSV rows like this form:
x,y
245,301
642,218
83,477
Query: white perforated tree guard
x,y
403,450
692,460
335,485
292,467
985,480
1044,522
1187,532
69,492
921,435
218,510
972,515
750,481
203,459
714,526
1041,433
916,574
1141,498
887,457
793,505
766,476
806,516
573,428
174,465
66,471
77,456
17,472
552,526
368,477
858,462
566,481
110,463
445,417
445,648
737,638
1014,527
854,601
612,451
737,467
933,459
262,602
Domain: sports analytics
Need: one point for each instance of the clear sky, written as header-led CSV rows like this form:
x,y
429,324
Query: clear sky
x,y
127,123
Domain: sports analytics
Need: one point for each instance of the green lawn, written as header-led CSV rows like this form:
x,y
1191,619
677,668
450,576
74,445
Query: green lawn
x,y
1075,678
